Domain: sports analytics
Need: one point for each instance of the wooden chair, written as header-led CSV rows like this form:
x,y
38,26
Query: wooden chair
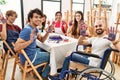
x,y
27,67
1,65
5,57
116,57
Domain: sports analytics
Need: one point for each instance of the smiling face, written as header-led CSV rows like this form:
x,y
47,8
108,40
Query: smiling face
x,y
11,16
99,27
58,16
78,17
36,19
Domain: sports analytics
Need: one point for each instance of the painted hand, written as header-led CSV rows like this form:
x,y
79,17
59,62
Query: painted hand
x,y
50,27
111,34
3,20
71,23
83,30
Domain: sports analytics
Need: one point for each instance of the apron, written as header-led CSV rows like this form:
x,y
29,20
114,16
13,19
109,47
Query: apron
x,y
58,29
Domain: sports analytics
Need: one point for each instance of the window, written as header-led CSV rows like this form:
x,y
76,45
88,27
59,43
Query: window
x,y
104,3
78,5
50,7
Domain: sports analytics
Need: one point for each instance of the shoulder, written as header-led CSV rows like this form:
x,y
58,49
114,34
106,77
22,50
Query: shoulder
x,y
16,26
26,29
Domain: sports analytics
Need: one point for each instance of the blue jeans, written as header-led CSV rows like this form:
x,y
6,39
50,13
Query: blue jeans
x,y
40,58
73,57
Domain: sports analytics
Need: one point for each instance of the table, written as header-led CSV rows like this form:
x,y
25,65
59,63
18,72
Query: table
x,y
57,50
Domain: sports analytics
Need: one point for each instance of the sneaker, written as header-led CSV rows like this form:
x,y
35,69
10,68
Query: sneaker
x,y
54,77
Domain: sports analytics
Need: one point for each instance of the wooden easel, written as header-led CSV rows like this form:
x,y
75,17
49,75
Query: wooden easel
x,y
96,14
69,13
115,57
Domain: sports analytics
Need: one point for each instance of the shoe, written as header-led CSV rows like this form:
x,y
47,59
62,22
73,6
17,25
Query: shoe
x,y
54,77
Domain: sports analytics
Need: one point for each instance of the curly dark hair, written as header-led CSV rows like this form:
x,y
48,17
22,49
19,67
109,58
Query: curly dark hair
x,y
36,10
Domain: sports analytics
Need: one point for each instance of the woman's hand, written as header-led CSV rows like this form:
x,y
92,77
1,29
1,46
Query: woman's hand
x,y
83,30
50,28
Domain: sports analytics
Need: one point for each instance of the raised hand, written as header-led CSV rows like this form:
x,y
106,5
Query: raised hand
x,y
3,20
71,23
83,30
50,27
32,35
48,23
111,33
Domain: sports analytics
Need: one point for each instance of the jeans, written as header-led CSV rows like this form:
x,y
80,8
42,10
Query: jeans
x,y
40,58
73,57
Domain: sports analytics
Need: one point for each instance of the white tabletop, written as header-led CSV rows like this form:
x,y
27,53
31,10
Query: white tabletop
x,y
58,50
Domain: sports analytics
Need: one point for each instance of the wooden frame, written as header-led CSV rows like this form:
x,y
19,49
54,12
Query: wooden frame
x,y
27,67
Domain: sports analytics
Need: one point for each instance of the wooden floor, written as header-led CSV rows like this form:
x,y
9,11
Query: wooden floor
x,y
29,77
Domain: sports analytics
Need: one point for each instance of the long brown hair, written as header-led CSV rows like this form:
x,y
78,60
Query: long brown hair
x,y
44,23
75,25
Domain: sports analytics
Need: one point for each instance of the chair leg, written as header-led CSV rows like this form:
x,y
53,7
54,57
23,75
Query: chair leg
x,y
24,71
6,64
3,59
14,70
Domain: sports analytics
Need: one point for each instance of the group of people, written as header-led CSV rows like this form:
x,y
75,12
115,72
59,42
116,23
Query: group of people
x,y
26,38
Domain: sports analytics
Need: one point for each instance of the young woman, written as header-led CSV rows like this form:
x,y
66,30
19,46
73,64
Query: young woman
x,y
77,26
10,31
60,26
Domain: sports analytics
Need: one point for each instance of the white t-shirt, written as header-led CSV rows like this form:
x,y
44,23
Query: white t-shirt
x,y
99,45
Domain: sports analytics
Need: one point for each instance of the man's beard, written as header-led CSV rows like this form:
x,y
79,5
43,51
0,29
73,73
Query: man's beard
x,y
99,31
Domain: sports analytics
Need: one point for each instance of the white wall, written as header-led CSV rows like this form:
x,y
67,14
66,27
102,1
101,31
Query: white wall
x,y
12,6
115,10
65,5
29,5
87,8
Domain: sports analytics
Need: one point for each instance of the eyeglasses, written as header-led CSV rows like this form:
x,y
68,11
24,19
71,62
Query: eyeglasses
x,y
98,25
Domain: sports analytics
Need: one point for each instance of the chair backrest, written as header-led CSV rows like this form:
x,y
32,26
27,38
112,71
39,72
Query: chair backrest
x,y
105,58
9,48
28,61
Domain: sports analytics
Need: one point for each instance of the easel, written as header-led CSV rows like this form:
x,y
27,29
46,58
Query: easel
x,y
115,57
96,14
69,13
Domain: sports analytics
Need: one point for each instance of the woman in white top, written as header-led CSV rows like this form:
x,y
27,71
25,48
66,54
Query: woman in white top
x,y
60,26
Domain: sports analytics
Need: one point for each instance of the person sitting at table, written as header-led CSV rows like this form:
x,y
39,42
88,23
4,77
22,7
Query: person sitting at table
x,y
42,24
99,44
76,25
10,31
60,26
27,41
